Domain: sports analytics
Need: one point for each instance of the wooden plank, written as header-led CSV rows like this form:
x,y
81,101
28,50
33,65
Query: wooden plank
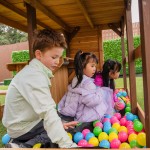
x,y
130,46
12,23
84,10
47,12
144,9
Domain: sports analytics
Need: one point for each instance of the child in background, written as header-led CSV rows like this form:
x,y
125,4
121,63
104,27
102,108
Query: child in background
x,y
30,114
84,101
110,72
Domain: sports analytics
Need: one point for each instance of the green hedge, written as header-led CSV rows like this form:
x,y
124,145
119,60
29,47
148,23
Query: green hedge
x,y
112,50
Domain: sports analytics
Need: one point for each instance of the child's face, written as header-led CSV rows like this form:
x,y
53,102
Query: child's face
x,y
50,57
114,75
90,69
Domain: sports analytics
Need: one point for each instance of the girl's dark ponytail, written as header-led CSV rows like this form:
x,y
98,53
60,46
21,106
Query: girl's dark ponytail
x,y
78,67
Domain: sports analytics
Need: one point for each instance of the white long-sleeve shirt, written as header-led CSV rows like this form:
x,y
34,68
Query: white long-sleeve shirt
x,y
29,100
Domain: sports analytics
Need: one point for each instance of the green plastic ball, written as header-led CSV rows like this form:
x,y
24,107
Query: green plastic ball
x,y
97,130
138,126
133,144
113,130
128,109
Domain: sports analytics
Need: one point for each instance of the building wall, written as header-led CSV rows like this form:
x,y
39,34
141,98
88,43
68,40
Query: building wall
x,y
5,57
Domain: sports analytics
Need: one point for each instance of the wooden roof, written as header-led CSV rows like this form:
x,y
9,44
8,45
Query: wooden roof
x,y
62,14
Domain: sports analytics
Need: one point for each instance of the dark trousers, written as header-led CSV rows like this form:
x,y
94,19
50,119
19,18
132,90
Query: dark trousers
x,y
36,135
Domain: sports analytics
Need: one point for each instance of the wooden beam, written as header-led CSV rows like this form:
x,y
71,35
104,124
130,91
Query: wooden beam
x,y
50,14
128,4
84,10
20,12
13,24
73,33
144,9
114,28
31,19
131,63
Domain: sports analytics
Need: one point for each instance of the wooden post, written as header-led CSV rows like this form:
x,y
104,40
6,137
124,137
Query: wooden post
x,y
31,20
123,54
100,48
132,75
144,9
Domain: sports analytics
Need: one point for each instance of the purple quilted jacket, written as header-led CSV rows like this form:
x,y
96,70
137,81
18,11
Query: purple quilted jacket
x,y
86,102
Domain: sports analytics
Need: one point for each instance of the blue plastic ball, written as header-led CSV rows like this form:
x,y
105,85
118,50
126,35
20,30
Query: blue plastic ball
x,y
77,137
124,93
106,128
5,139
104,144
88,136
130,116
107,116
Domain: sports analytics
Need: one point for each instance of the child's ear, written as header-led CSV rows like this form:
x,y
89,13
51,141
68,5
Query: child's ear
x,y
38,54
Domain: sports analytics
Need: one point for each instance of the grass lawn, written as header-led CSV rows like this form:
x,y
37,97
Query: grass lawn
x,y
119,84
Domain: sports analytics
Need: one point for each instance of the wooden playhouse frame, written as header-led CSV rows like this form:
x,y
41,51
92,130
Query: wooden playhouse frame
x,y
82,23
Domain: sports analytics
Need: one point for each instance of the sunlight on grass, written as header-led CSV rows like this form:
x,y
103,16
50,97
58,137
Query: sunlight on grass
x,y
139,89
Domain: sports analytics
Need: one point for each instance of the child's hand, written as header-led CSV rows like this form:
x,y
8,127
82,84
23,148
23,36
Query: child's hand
x,y
71,124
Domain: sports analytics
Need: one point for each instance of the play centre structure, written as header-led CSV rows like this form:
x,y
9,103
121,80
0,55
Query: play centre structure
x,y
82,23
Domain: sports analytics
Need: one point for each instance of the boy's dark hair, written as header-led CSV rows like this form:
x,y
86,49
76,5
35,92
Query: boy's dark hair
x,y
48,38
110,65
80,61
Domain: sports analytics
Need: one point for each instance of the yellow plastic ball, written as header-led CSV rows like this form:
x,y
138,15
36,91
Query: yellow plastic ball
x,y
124,146
122,128
93,141
132,137
112,136
116,126
38,145
70,135
102,136
141,139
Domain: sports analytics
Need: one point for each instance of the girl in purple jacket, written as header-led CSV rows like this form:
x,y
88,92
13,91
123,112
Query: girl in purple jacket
x,y
84,101
110,72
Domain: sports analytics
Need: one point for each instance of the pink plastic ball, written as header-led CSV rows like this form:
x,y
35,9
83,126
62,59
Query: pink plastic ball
x,y
85,132
115,143
130,131
121,106
99,124
130,126
122,136
82,143
105,119
128,123
123,121
118,115
114,119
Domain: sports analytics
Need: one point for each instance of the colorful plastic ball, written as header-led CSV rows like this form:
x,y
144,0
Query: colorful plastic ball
x,y
136,117
130,116
116,126
97,131
138,126
107,123
128,105
82,143
70,135
141,139
129,123
123,136
93,141
128,109
115,143
112,136
138,145
122,128
38,145
85,132
5,139
89,135
118,115
135,120
123,121
130,131
102,136
124,93
133,143
94,122
105,119
104,144
132,137
113,130
99,124
77,137
106,128
107,116
124,146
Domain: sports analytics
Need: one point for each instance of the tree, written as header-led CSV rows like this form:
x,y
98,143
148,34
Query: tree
x,y
10,35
